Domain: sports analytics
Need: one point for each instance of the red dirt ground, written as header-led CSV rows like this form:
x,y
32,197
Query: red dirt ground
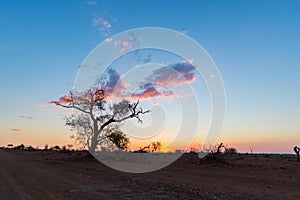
x,y
75,175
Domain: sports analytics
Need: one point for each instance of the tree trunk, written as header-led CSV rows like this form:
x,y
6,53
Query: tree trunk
x,y
297,151
93,146
94,142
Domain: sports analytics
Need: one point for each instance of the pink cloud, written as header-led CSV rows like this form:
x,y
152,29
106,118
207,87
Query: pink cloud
x,y
124,45
154,103
101,21
41,106
148,90
108,40
174,75
64,100
171,75
174,79
102,25
16,129
189,61
152,93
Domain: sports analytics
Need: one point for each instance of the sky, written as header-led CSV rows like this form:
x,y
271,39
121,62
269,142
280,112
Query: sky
x,y
255,45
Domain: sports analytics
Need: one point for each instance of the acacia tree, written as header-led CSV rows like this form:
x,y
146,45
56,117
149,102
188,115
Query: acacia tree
x,y
96,121
156,146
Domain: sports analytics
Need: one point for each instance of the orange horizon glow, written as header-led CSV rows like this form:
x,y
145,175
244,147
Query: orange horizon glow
x,y
242,147
60,135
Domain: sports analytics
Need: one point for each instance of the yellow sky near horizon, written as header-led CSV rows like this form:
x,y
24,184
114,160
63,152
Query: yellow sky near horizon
x,y
242,144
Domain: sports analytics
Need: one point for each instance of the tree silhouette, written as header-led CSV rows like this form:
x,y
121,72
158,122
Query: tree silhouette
x,y
95,118
21,147
56,148
216,152
297,151
143,150
156,146
117,137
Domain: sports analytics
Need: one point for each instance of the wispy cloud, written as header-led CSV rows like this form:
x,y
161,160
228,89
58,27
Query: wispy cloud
x,y
25,117
100,17
103,25
125,44
16,129
91,2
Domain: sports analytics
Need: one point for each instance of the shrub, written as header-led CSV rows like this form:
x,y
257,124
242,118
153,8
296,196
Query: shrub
x,y
230,151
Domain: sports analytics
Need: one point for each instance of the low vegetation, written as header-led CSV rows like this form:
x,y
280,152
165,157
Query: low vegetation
x,y
218,152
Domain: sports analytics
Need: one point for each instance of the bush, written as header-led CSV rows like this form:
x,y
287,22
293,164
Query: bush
x,y
230,151
20,147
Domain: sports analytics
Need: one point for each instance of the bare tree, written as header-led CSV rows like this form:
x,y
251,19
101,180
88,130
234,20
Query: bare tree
x,y
297,151
230,151
143,150
95,117
215,152
219,148
156,146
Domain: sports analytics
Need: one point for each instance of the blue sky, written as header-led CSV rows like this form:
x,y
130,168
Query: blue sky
x,y
255,45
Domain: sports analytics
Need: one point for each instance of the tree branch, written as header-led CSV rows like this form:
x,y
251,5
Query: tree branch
x,y
70,106
134,114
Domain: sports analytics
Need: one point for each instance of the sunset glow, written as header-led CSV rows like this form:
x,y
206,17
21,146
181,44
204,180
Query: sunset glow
x,y
43,45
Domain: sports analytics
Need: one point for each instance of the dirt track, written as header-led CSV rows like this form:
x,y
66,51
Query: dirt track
x,y
53,175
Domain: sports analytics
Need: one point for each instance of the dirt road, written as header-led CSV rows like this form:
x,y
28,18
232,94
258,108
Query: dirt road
x,y
50,175
28,179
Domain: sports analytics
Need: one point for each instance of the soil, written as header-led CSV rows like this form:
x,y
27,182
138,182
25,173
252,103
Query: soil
x,y
35,175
